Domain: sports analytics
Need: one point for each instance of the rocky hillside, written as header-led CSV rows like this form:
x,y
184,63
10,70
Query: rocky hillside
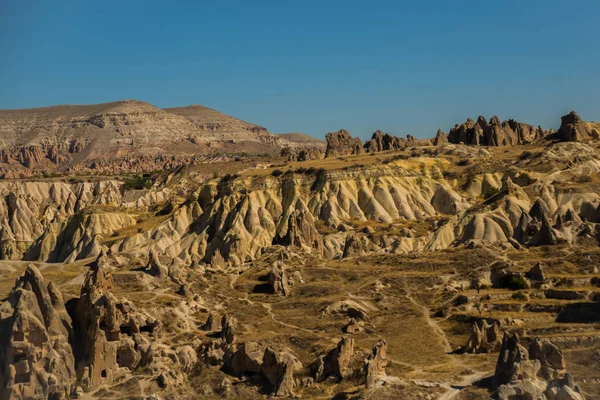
x,y
123,136
447,271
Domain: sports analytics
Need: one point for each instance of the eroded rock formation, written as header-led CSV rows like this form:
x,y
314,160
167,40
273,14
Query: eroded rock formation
x,y
340,143
537,373
36,358
494,132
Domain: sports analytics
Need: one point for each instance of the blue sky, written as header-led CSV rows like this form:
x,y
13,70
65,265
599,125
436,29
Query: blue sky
x,y
310,66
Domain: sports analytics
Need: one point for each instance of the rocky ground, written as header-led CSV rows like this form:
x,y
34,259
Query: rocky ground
x,y
397,268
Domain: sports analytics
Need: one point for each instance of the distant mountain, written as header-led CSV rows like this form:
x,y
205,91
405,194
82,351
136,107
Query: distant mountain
x,y
103,135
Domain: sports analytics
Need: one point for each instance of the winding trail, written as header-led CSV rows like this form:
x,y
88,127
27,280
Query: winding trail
x,y
453,390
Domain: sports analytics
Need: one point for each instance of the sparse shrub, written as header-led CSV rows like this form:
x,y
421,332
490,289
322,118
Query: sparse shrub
x,y
517,282
583,179
286,151
464,162
301,170
564,282
448,174
520,296
492,191
525,155
166,210
230,177
277,173
320,179
138,183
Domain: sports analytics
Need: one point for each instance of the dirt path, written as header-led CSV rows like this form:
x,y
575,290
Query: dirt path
x,y
434,326
453,390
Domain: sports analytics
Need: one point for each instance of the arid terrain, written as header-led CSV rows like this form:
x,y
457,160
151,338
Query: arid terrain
x,y
186,254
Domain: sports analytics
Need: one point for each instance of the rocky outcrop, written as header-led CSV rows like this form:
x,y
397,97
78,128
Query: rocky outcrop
x,y
354,326
109,333
340,143
537,373
383,142
36,358
301,232
155,267
440,138
375,365
277,367
536,273
574,129
229,327
358,245
336,362
278,279
494,132
484,338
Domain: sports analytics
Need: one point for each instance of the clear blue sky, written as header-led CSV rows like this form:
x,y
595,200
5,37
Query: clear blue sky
x,y
310,66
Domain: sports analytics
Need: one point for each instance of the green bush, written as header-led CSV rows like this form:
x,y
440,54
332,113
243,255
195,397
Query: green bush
x,y
138,183
492,191
517,282
520,296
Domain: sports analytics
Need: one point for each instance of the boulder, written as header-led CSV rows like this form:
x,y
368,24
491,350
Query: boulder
x,y
212,324
536,273
354,326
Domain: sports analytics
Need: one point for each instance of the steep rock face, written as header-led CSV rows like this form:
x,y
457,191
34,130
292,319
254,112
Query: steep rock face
x,y
109,332
37,359
238,220
384,141
278,279
537,373
340,143
335,362
45,221
513,218
494,132
279,369
375,365
574,129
